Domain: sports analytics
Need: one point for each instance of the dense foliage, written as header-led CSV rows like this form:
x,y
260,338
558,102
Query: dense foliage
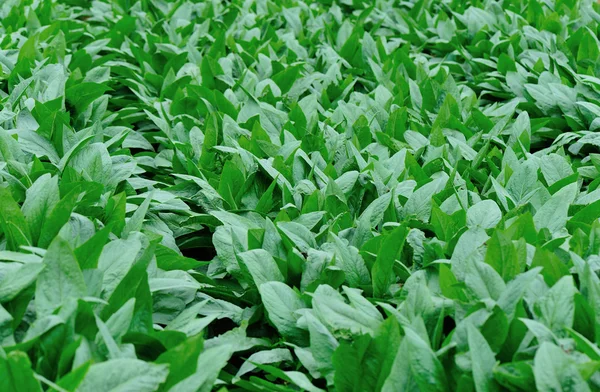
x,y
283,195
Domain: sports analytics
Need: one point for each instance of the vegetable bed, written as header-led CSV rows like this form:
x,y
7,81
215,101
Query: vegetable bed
x,y
286,195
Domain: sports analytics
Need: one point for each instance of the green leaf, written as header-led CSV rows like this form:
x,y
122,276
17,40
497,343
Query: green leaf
x,y
83,94
276,355
366,363
358,317
58,217
262,266
89,252
557,307
506,257
13,222
41,199
555,371
485,214
122,374
382,271
515,376
16,373
281,303
349,261
553,214
137,219
211,361
483,361
17,280
416,363
60,280
553,267
182,360
588,47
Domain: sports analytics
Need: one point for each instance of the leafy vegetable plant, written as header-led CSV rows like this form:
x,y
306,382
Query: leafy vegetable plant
x,y
285,195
